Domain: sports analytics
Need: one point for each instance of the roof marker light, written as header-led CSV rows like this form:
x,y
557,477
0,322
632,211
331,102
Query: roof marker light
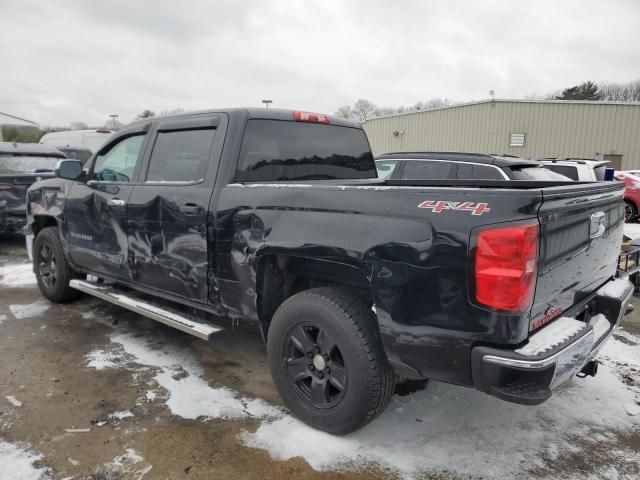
x,y
310,117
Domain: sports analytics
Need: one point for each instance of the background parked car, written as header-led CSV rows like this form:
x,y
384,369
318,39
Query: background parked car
x,y
21,164
631,195
578,169
91,139
77,153
460,166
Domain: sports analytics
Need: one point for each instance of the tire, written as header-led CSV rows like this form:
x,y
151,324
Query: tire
x,y
630,212
52,270
327,360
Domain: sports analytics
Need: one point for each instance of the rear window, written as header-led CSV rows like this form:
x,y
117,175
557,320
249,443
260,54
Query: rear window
x,y
10,164
538,173
566,170
279,151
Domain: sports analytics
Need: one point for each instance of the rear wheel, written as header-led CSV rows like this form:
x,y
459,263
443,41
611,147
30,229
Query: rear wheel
x,y
327,360
630,211
52,270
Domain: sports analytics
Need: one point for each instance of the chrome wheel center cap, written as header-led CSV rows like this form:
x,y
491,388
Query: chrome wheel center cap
x,y
319,363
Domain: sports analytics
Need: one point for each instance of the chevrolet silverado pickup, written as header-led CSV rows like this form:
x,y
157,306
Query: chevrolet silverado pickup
x,y
355,282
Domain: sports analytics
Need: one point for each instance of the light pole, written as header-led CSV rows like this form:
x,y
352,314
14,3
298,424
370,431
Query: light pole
x,y
267,102
113,121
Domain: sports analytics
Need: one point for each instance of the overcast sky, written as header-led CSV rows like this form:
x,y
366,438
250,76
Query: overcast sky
x,y
68,61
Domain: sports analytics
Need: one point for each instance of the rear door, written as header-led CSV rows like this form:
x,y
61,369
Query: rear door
x,y
580,235
168,209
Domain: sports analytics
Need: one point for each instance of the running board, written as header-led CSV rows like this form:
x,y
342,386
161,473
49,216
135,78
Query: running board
x,y
172,318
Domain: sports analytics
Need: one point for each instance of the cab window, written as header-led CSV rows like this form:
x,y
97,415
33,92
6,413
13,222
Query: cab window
x,y
119,162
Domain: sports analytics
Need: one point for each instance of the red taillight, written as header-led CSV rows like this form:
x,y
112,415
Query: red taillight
x,y
310,117
506,266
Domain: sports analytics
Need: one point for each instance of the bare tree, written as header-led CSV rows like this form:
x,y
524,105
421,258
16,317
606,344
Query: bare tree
x,y
146,114
78,126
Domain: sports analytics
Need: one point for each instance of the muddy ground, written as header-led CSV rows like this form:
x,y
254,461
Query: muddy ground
x,y
159,404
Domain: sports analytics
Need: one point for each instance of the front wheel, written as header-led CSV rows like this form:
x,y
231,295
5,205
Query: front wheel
x,y
52,270
630,211
327,360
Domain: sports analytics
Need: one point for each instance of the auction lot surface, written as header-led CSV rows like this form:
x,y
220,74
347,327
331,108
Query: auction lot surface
x,y
90,391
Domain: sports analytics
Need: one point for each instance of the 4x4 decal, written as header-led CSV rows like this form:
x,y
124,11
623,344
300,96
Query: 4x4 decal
x,y
441,205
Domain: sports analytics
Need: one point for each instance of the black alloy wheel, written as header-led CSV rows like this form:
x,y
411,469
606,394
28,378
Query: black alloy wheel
x,y
315,366
47,265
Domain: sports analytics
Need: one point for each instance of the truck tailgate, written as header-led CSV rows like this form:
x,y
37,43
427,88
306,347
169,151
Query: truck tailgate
x,y
580,236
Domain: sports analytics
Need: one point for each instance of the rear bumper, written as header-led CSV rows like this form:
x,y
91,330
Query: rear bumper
x,y
554,354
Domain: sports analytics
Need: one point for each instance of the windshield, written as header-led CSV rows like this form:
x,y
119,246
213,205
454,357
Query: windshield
x,y
537,173
11,164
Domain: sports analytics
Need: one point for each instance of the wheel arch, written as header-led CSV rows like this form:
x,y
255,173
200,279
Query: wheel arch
x,y
279,275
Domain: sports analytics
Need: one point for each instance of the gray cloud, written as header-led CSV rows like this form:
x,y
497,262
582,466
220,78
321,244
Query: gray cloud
x,y
81,61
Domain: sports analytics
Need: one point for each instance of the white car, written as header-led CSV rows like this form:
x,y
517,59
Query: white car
x,y
578,169
91,139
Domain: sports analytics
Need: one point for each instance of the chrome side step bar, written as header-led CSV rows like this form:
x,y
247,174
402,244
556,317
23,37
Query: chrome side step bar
x,y
177,320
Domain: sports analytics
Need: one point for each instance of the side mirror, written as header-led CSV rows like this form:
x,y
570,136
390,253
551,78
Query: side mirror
x,y
69,169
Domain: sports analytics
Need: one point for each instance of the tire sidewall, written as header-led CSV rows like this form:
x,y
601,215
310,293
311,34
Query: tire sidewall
x,y
634,211
353,408
57,293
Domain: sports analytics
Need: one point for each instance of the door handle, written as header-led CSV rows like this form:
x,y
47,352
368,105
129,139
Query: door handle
x,y
189,209
116,202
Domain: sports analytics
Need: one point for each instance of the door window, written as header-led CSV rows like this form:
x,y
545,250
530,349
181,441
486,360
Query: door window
x,y
181,156
119,162
471,171
428,170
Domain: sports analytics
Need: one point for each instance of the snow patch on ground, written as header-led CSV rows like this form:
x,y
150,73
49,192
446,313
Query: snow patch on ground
x,y
30,310
447,427
189,395
442,428
128,465
120,415
101,359
17,275
16,463
14,401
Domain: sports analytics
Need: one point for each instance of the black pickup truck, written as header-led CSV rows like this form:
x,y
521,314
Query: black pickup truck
x,y
356,283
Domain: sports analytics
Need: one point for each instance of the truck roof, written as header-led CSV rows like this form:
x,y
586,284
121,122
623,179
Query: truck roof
x,y
30,149
488,159
259,113
573,160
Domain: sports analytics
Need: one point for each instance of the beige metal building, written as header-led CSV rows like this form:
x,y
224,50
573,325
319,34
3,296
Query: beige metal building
x,y
529,129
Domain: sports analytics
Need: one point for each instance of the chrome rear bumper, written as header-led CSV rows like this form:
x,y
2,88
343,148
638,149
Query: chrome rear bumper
x,y
519,377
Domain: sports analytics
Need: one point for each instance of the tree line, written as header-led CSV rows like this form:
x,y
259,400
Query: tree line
x,y
363,109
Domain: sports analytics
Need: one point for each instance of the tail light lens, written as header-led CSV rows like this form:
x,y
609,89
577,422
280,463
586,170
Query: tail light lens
x,y
506,267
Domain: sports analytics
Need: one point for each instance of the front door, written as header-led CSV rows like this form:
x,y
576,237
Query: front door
x,y
95,210
167,211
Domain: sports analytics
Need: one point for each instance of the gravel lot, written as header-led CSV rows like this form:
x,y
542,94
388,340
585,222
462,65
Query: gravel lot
x,y
88,390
